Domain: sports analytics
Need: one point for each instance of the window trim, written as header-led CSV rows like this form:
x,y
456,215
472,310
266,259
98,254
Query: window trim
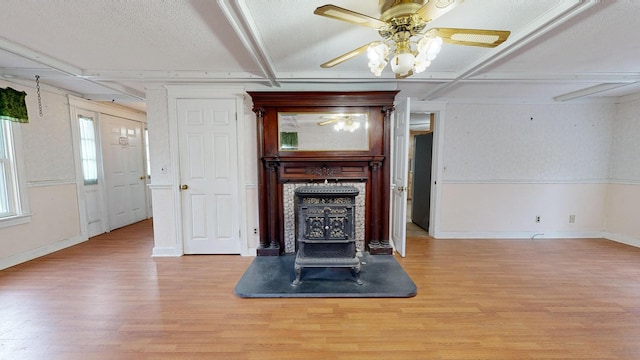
x,y
22,213
94,140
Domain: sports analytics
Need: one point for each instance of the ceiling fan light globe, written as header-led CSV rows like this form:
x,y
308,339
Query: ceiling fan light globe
x,y
423,44
378,52
376,68
402,63
376,71
430,46
421,64
378,55
435,47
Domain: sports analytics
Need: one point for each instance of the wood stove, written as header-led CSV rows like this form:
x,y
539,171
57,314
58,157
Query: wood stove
x,y
326,228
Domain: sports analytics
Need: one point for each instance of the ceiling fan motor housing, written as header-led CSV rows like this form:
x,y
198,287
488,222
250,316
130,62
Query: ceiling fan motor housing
x,y
396,8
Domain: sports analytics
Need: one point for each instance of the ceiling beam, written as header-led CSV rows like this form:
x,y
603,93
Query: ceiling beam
x,y
38,57
589,91
238,15
172,75
120,89
558,77
60,68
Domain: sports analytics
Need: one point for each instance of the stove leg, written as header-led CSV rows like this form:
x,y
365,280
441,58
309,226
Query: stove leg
x,y
296,282
356,272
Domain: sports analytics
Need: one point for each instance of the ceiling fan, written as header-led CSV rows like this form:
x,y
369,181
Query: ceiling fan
x,y
341,122
403,28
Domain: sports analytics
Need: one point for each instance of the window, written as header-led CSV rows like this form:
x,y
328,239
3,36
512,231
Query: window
x,y
88,154
7,171
13,200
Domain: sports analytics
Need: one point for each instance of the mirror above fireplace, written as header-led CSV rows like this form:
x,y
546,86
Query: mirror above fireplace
x,y
316,131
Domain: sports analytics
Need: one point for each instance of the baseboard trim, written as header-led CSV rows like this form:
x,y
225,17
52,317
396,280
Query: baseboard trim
x,y
39,252
621,238
166,252
250,252
519,235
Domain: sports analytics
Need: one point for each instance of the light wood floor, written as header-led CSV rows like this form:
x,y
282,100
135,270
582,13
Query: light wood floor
x,y
477,299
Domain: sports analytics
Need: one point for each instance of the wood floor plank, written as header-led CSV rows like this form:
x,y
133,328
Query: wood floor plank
x,y
108,298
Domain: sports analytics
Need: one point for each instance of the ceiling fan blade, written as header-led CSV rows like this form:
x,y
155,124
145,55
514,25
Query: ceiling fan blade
x,y
338,13
471,37
433,9
327,122
344,57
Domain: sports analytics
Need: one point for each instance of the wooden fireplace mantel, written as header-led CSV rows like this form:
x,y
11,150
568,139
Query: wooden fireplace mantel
x,y
276,167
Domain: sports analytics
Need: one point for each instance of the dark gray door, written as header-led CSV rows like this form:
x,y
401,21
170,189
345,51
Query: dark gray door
x,y
421,198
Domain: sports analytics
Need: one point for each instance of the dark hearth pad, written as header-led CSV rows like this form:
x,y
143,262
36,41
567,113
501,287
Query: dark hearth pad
x,y
271,277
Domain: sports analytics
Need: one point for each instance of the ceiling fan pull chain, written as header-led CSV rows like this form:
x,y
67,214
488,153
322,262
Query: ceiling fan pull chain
x,y
39,97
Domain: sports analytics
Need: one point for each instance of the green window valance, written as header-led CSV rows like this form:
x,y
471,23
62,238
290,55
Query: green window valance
x,y
13,106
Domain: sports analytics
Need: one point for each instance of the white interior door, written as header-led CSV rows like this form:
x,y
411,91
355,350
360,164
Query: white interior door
x,y
122,151
209,176
92,193
399,176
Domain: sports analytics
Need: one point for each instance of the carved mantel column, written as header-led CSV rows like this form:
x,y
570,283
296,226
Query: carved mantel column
x,y
381,175
378,244
267,193
270,245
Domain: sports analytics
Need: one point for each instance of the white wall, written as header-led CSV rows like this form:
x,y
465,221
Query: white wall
x,y
527,143
625,159
162,195
500,169
623,202
164,176
250,163
503,165
54,225
51,186
509,210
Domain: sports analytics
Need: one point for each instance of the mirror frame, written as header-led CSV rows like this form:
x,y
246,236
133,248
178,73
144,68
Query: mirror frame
x,y
356,140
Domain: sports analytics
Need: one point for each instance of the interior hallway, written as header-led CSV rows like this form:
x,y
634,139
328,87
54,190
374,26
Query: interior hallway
x,y
108,298
414,230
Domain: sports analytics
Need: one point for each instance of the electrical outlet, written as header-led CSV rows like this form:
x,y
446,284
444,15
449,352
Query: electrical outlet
x,y
572,219
537,219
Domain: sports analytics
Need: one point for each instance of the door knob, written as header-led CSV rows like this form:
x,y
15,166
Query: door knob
x,y
401,188
184,187
142,177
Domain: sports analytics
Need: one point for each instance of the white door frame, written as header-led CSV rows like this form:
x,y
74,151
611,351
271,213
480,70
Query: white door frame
x,y
201,92
436,166
399,175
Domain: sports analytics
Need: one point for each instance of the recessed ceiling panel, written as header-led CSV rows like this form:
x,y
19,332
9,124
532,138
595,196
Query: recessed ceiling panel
x,y
127,35
601,40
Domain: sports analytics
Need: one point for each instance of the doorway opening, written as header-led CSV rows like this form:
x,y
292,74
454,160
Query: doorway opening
x,y
421,128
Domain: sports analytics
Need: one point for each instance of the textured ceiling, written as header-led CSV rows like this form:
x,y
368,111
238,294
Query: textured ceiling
x,y
559,50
